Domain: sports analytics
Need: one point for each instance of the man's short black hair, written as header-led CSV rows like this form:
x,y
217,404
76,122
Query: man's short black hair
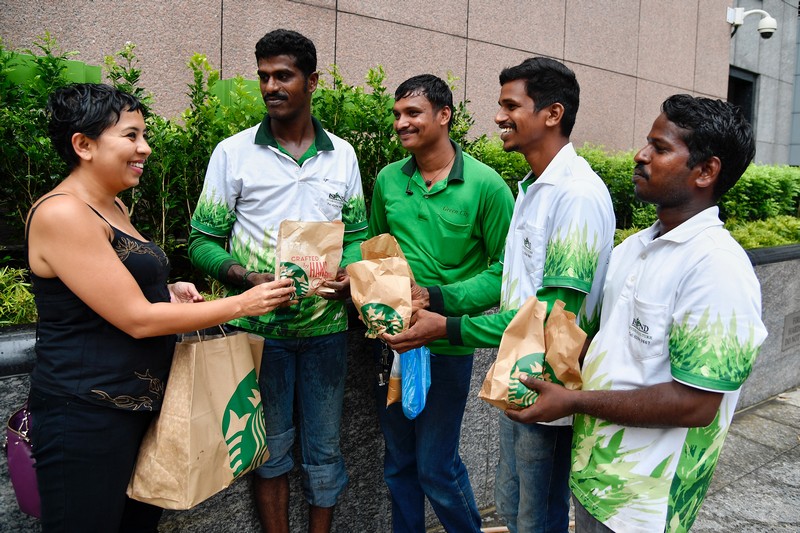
x,y
547,82
713,128
431,87
287,42
87,108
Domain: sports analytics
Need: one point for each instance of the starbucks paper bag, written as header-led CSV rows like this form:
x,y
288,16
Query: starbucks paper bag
x,y
564,340
521,350
381,292
309,253
383,246
211,426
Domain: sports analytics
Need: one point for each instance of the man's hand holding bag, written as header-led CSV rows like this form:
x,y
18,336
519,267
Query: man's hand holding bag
x,y
546,347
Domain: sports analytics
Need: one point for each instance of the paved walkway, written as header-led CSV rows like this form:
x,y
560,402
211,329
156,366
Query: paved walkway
x,y
756,487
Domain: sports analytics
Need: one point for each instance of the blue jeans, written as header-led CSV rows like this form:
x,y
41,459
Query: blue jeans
x,y
313,369
421,457
585,522
532,483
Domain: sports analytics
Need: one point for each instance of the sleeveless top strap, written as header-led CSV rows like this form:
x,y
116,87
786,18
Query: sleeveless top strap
x,y
43,200
30,216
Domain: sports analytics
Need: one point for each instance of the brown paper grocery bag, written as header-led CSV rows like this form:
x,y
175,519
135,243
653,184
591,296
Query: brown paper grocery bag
x,y
211,426
381,293
523,341
383,246
309,253
564,340
549,351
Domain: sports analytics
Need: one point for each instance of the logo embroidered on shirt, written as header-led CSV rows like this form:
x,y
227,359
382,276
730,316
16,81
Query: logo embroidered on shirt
x,y
455,211
638,325
639,331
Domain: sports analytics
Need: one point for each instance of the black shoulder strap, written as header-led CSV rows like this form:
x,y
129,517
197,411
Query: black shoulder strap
x,y
33,210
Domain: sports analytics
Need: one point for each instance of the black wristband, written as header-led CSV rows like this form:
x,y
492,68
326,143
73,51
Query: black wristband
x,y
245,283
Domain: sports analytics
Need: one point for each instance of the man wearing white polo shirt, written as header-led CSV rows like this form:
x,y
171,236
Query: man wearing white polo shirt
x,y
286,168
680,329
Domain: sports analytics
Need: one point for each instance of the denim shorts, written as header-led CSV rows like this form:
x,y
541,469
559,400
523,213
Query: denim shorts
x,y
312,370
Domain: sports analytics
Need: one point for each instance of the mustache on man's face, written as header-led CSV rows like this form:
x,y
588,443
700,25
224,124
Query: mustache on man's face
x,y
639,170
275,96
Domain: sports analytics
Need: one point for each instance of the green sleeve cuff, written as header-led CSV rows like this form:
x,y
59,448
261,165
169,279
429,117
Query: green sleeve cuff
x,y
702,382
209,230
454,330
436,300
357,226
567,283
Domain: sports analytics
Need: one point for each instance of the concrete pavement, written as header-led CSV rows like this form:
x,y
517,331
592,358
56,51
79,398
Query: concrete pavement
x,y
756,487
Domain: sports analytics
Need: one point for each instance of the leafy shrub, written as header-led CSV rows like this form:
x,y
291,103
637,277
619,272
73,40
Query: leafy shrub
x,y
775,231
16,301
29,166
622,234
510,165
616,170
763,191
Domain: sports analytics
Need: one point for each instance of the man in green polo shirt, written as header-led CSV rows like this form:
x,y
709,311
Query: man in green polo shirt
x,y
286,168
450,214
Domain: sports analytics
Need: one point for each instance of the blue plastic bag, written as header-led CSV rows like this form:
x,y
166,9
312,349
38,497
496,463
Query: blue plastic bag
x,y
416,371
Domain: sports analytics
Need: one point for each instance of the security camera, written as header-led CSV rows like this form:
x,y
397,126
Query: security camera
x,y
767,26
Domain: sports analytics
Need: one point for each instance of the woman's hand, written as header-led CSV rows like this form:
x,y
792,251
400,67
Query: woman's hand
x,y
184,292
265,297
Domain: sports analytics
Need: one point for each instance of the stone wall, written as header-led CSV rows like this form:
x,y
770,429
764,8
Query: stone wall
x,y
776,370
628,55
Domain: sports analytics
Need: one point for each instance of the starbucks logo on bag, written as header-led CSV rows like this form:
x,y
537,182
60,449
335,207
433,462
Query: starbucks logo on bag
x,y
518,393
243,427
380,318
298,276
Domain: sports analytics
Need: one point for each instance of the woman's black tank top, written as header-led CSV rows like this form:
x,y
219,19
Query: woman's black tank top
x,y
80,354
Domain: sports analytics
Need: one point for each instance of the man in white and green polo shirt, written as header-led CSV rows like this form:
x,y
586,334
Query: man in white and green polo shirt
x,y
286,168
679,331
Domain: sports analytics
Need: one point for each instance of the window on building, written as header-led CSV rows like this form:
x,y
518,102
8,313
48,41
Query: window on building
x,y
741,91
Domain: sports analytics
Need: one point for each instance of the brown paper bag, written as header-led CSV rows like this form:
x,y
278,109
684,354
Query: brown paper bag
x,y
309,253
564,340
381,292
394,392
549,352
383,246
523,340
211,426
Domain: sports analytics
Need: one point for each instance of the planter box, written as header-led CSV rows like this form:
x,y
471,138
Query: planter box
x,y
17,349
776,370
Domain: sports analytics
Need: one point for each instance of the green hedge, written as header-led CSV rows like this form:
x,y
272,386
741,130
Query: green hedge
x,y
163,202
